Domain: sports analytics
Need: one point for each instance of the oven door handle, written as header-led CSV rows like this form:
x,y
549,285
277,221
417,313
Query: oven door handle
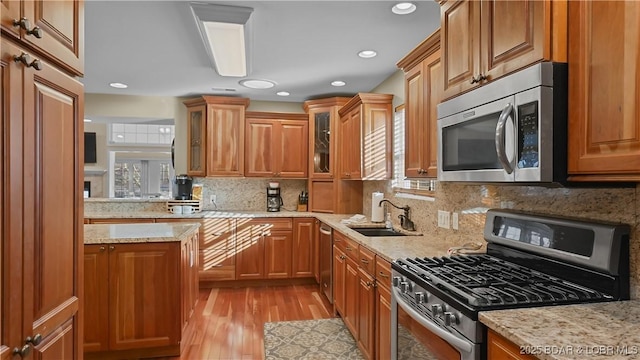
x,y
501,150
453,340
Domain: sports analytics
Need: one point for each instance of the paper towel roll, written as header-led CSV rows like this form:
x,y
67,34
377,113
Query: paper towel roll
x,y
377,212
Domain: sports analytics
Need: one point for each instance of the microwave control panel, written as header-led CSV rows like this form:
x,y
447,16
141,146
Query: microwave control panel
x,y
528,144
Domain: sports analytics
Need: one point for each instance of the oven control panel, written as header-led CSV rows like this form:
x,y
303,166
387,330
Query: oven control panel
x,y
433,309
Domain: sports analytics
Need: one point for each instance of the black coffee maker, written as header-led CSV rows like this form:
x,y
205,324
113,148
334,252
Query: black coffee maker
x,y
274,200
182,187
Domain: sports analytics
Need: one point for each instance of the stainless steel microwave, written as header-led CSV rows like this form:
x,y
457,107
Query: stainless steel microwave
x,y
512,130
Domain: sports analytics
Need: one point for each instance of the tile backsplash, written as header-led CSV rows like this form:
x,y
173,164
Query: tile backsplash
x,y
607,204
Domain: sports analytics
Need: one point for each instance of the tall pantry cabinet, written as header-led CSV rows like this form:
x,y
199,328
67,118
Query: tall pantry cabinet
x,y
41,217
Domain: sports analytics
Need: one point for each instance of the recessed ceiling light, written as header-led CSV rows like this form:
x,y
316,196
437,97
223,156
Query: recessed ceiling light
x,y
367,54
283,93
118,85
403,8
257,84
338,83
87,120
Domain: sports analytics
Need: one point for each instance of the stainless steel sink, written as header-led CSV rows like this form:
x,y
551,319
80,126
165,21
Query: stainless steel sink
x,y
378,232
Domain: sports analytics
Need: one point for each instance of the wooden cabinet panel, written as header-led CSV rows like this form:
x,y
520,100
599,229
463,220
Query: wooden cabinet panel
x,y
604,116
351,286
364,138
339,268
304,253
134,288
383,323
322,196
96,298
221,137
249,252
460,31
499,348
60,345
217,250
53,105
276,145
277,253
485,40
62,29
423,92
366,314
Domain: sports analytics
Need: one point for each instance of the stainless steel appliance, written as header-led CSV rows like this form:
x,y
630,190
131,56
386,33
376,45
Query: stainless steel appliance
x,y
274,200
326,261
511,130
531,260
182,187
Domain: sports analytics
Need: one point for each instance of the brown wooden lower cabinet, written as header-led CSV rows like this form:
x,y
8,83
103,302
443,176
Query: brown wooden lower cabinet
x,y
499,348
366,313
139,298
383,309
304,258
264,248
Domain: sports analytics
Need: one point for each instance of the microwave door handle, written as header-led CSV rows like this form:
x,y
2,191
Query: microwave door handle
x,y
500,134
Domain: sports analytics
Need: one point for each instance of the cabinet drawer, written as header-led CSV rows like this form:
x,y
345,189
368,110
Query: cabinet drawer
x,y
383,272
346,245
366,260
217,265
272,224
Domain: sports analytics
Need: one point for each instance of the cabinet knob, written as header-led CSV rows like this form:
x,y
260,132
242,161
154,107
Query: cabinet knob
x,y
26,60
35,340
23,352
25,24
111,247
102,248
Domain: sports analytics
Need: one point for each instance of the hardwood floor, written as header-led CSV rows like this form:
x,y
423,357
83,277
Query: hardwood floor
x,y
229,321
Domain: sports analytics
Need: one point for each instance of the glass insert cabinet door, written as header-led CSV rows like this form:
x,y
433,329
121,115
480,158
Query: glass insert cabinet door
x,y
196,136
321,143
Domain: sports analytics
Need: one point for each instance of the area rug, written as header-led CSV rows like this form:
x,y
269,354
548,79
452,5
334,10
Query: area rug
x,y
309,340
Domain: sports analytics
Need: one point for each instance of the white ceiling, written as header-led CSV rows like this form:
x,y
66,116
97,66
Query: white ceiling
x,y
155,47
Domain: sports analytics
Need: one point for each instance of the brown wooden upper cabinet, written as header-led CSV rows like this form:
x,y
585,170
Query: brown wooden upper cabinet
x,y
365,137
215,135
604,68
323,122
486,39
276,145
55,29
423,91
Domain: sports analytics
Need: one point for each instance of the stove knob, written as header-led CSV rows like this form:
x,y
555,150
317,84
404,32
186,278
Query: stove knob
x,y
404,287
450,318
436,309
396,281
420,297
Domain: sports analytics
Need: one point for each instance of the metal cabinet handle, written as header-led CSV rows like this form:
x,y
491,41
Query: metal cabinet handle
x,y
382,274
26,60
364,261
349,248
25,24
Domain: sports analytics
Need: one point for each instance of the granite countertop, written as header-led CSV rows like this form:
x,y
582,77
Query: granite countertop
x,y
387,247
587,331
138,233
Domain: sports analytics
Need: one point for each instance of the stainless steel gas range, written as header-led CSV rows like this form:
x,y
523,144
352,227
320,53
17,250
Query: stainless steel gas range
x,y
531,260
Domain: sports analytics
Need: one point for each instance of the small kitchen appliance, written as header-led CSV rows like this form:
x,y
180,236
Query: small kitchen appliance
x,y
274,200
532,260
182,187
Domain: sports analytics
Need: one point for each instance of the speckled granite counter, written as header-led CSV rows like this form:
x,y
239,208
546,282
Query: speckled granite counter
x,y
389,248
590,331
138,233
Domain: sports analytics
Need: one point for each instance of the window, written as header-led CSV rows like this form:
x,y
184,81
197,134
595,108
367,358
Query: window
x,y
142,178
399,182
141,134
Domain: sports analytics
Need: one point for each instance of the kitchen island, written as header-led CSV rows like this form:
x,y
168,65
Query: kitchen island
x,y
585,331
141,288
